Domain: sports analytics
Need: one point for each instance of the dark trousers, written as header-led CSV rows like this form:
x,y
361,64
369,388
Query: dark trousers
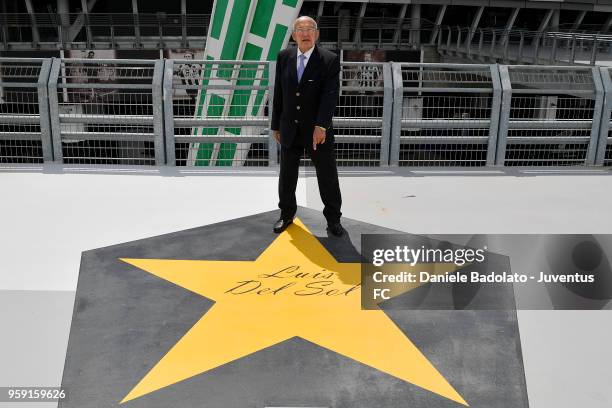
x,y
324,161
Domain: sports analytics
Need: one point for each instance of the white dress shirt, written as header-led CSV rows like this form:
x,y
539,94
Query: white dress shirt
x,y
307,54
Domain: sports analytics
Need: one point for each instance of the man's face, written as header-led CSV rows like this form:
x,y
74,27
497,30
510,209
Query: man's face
x,y
305,34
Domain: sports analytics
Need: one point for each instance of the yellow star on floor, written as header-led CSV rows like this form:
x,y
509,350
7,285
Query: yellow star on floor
x,y
294,288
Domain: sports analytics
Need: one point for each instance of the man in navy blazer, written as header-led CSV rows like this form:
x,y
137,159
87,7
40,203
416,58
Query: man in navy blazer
x,y
306,90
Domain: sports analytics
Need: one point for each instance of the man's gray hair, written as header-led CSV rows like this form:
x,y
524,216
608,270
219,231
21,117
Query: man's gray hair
x,y
304,18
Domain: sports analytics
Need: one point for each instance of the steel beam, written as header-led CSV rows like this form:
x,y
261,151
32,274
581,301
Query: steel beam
x,y
82,19
35,34
415,24
543,24
436,30
474,25
607,24
184,22
400,23
509,25
320,11
136,22
579,20
357,36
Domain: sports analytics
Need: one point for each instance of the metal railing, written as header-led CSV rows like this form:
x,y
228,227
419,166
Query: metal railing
x,y
362,121
171,31
526,47
25,134
107,111
102,30
216,113
155,31
550,116
445,114
604,147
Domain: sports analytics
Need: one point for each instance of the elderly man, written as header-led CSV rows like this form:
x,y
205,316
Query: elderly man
x,y
306,92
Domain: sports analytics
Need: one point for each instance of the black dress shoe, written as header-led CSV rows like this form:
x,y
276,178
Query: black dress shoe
x,y
336,229
282,225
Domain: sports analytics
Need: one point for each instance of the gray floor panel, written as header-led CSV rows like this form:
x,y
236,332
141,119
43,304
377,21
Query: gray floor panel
x,y
125,320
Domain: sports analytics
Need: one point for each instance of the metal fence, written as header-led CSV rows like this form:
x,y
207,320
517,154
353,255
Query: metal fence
x,y
604,149
445,114
25,135
107,111
102,30
550,115
154,31
216,113
524,46
362,121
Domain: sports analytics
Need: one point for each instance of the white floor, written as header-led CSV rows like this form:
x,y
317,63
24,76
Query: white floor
x,y
50,214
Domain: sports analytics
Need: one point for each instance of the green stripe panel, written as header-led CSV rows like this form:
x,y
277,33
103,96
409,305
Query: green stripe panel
x,y
215,108
252,52
224,71
290,3
227,150
262,17
218,18
278,37
260,93
233,35
204,81
277,41
204,149
240,100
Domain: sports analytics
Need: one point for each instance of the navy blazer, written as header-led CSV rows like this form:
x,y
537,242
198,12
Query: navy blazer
x,y
308,103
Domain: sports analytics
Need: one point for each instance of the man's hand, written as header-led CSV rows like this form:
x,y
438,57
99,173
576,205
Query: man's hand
x,y
318,137
276,134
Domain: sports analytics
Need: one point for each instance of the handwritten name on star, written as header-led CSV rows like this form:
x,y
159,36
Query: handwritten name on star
x,y
292,281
